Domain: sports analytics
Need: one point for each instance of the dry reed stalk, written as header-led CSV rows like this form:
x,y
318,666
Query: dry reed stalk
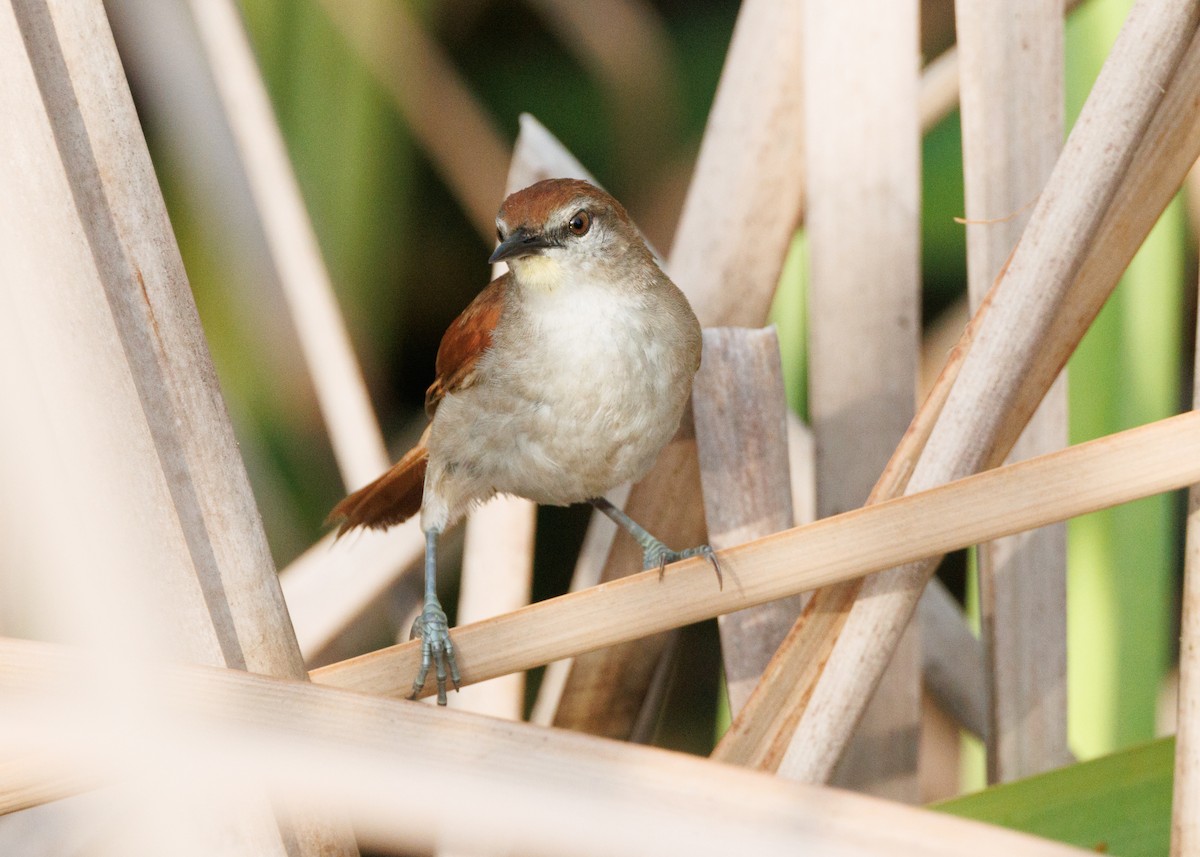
x,y
394,770
409,775
321,601
1102,473
800,469
748,181
74,135
171,560
862,151
741,439
1192,197
1165,153
461,141
939,339
328,587
588,566
939,767
27,781
1185,809
1012,117
952,660
1082,234
939,93
538,154
177,96
497,577
112,313
951,656
341,394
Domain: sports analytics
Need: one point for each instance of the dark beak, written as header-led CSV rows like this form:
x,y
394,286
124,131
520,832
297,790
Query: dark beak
x,y
520,243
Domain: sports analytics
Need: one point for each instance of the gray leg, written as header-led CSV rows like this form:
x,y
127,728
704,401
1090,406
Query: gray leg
x,y
434,630
654,553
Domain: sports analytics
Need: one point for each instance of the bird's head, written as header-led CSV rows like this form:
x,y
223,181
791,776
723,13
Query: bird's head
x,y
561,229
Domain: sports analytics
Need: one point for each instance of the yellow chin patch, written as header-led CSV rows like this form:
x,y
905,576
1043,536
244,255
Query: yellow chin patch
x,y
539,272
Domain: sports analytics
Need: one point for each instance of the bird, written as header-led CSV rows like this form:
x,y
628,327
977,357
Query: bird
x,y
564,378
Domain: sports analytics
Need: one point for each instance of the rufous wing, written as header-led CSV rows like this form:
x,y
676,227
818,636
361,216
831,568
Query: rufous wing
x,y
396,495
465,341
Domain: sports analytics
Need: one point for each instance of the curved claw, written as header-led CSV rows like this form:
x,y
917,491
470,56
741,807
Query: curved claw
x,y
709,554
436,651
658,554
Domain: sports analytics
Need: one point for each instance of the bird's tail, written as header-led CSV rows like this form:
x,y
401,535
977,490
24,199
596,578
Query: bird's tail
x,y
391,499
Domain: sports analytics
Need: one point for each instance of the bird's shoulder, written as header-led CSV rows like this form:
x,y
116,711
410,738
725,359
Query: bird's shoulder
x,y
465,341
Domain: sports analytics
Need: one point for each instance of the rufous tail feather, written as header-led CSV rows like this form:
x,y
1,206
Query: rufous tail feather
x,y
391,499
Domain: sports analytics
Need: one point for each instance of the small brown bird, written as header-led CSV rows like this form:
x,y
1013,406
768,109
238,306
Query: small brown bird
x,y
563,379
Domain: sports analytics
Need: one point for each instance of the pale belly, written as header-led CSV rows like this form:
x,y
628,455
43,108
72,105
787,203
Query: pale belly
x,y
555,432
557,444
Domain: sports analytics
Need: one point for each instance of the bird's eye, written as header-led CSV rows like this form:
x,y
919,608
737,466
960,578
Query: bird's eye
x,y
580,223
499,235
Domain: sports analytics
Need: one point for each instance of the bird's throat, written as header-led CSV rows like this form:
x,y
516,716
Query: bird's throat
x,y
539,273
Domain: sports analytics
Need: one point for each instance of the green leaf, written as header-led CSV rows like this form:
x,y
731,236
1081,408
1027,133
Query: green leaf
x,y
1117,804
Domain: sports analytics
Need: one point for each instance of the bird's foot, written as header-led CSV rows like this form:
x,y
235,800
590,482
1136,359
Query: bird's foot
x,y
654,552
657,555
436,650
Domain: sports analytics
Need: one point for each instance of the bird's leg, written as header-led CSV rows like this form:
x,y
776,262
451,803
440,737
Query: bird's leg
x,y
654,553
434,630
